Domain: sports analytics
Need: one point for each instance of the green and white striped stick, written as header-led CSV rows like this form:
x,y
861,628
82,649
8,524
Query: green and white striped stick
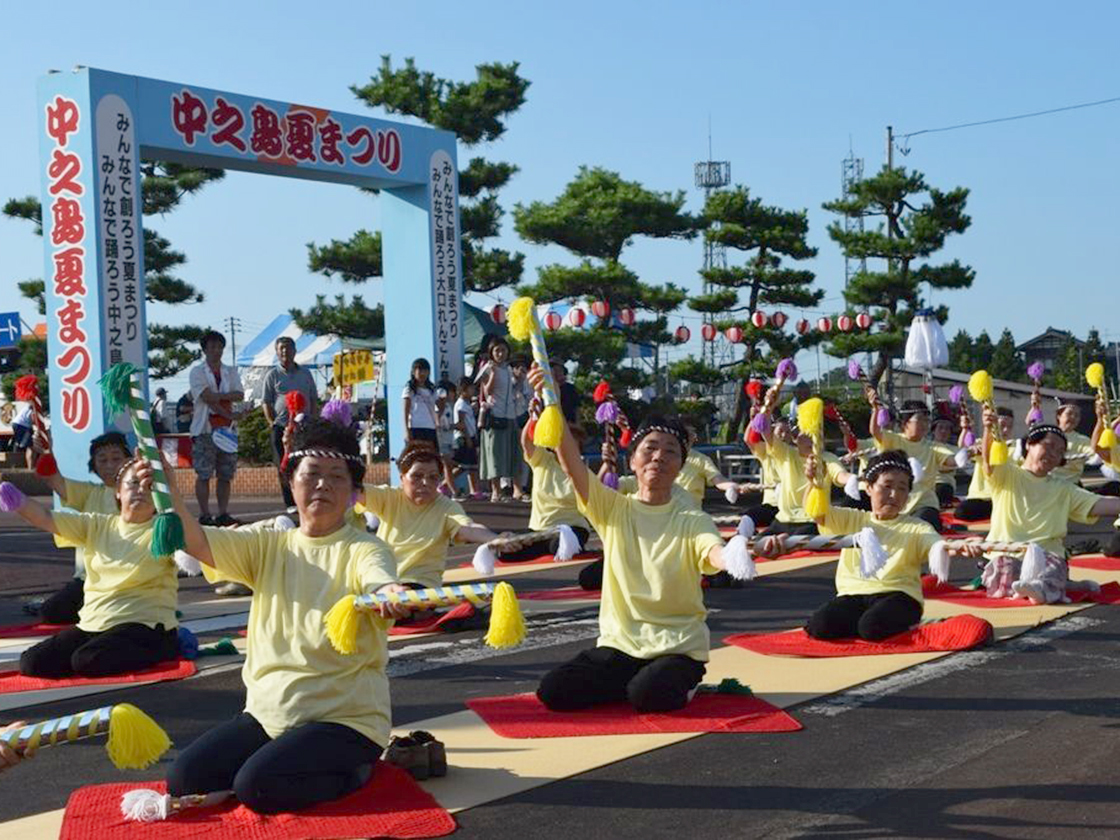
x,y
122,390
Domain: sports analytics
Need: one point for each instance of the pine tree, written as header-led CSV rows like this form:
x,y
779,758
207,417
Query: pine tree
x,y
765,235
960,352
476,111
596,216
982,351
917,219
1006,362
1068,373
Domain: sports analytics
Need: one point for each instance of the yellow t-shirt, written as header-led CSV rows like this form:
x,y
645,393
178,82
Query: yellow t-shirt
x,y
86,497
124,582
554,497
697,472
292,674
418,536
1076,444
652,604
862,445
978,487
906,539
1026,508
628,484
789,472
931,456
766,475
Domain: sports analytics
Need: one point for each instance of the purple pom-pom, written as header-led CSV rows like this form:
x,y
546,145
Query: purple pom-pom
x,y
1034,416
1116,426
11,497
761,423
607,412
337,411
956,394
969,438
855,372
610,480
883,417
787,369
1035,371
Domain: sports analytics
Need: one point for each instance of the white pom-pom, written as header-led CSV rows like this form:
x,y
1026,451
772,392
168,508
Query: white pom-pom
x,y
1095,460
961,458
851,487
1020,450
1034,563
737,559
145,805
569,544
187,564
484,559
283,523
917,469
746,527
872,555
731,494
1109,472
372,522
939,561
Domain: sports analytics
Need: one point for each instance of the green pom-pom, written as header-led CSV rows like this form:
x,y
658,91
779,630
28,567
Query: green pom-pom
x,y
222,647
730,685
116,385
167,534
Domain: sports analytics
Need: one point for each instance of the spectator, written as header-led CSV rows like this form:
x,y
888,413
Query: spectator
x,y
466,434
184,413
287,376
501,449
214,388
569,396
22,435
445,432
159,412
420,414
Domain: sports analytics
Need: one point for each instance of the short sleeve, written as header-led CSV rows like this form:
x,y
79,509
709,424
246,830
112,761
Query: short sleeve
x,y
268,392
890,440
833,468
838,520
1081,503
238,553
77,494
406,393
1000,477
926,539
705,538
197,381
234,379
711,471
456,518
313,389
373,565
76,528
379,498
536,459
601,503
778,450
627,484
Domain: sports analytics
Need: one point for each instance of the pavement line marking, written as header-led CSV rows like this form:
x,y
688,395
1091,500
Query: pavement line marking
x,y
870,692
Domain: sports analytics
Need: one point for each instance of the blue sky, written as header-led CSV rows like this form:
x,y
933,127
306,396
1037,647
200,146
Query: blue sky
x,y
631,86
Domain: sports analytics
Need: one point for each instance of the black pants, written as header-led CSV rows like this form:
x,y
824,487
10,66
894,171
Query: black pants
x,y
762,515
313,763
929,514
605,675
1111,488
869,617
278,454
945,494
973,510
1113,547
122,649
63,606
798,529
591,576
545,545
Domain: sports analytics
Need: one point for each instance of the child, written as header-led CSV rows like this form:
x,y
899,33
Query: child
x,y
420,415
445,433
466,435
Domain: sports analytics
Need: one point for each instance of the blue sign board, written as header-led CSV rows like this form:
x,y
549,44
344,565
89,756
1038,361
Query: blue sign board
x,y
10,330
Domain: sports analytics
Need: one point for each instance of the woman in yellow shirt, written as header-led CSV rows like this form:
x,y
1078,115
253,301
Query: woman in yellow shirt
x,y
1110,456
978,504
315,721
127,622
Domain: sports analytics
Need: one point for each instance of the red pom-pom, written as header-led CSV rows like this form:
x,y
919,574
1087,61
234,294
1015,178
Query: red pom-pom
x,y
754,389
624,438
753,437
27,388
851,442
830,412
46,466
601,392
296,403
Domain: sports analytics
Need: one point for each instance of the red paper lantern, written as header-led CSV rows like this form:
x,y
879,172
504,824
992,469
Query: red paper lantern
x,y
601,309
734,334
863,320
708,332
778,319
498,314
759,319
626,316
844,322
576,317
803,326
824,324
552,320
682,334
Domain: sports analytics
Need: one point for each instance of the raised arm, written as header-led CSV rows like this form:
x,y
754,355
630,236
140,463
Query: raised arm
x,y
527,440
873,400
989,439
197,544
571,459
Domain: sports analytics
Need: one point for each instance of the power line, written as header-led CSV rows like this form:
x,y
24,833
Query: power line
x,y
1010,119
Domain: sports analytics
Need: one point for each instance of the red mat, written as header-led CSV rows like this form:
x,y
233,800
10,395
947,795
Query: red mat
x,y
958,633
978,598
391,805
543,560
20,631
175,669
1096,561
434,624
524,716
565,593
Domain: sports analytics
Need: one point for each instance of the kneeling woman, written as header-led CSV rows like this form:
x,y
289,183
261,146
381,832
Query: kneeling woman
x,y
127,621
653,639
890,601
315,721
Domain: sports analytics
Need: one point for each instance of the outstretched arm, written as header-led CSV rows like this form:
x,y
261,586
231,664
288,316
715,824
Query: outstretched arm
x,y
36,515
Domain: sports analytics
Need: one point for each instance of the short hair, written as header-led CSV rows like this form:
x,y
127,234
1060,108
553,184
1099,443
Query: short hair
x,y
466,382
285,339
211,335
320,434
519,361
893,460
911,407
420,452
107,440
1004,411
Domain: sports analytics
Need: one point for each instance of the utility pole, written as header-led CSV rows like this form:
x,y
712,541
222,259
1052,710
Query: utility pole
x,y
232,326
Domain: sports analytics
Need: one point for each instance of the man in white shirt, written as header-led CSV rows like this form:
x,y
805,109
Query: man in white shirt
x,y
214,388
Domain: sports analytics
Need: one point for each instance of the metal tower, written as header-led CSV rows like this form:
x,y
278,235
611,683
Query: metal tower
x,y
712,175
851,173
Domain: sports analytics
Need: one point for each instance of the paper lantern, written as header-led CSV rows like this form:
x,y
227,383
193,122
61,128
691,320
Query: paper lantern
x,y
498,314
803,326
778,319
552,320
759,319
708,332
844,322
926,347
601,309
734,334
824,324
863,320
682,334
576,317
626,316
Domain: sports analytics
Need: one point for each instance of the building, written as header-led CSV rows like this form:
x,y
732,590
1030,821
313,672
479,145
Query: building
x,y
1047,347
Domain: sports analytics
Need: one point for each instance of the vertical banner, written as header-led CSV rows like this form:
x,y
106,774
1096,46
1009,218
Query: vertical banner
x,y
447,283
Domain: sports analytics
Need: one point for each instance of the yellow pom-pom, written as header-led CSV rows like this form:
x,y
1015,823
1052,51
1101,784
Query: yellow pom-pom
x,y
135,740
342,626
1094,375
998,453
1107,439
359,508
816,503
980,386
507,627
810,416
519,318
550,427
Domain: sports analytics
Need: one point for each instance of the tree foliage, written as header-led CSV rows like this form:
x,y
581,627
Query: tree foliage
x,y
1006,362
349,318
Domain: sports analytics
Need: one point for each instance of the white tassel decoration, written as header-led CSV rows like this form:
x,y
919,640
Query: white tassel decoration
x,y
961,458
746,527
569,544
484,559
1020,449
145,805
917,469
939,561
283,523
731,494
851,487
1095,460
1109,472
737,559
872,555
372,522
187,564
1034,563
